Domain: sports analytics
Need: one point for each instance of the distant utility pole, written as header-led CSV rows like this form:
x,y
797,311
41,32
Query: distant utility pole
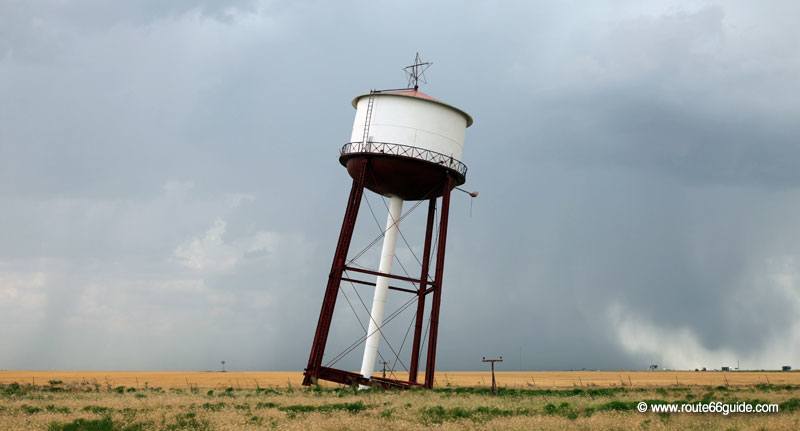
x,y
492,361
223,366
384,368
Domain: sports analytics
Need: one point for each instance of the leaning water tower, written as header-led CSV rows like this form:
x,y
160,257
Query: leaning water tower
x,y
406,146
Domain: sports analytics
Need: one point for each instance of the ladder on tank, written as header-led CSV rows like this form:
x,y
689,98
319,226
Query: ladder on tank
x,y
368,121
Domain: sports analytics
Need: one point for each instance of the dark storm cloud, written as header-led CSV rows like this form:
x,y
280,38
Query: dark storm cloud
x,y
168,172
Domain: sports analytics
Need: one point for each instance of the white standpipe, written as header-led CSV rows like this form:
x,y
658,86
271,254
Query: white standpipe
x,y
381,286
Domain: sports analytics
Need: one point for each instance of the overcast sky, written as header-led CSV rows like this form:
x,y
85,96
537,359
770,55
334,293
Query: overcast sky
x,y
170,193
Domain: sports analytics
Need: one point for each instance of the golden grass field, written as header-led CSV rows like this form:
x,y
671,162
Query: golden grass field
x,y
206,401
512,379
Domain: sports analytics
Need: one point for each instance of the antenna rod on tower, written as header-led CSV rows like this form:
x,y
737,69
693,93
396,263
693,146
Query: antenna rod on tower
x,y
416,72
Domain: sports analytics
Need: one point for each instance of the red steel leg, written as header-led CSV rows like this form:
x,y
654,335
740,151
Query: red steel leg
x,y
312,371
423,285
430,364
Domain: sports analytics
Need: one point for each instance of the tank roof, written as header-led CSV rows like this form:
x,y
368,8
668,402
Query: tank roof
x,y
410,92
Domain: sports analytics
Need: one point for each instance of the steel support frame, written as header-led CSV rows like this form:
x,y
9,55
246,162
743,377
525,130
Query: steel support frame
x,y
315,370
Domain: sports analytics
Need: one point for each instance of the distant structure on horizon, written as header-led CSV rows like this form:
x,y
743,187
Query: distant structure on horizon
x,y
407,146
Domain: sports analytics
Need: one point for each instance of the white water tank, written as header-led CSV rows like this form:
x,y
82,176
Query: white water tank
x,y
412,118
411,138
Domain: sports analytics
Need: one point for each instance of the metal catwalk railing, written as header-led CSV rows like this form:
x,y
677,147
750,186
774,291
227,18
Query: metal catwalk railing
x,y
405,151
